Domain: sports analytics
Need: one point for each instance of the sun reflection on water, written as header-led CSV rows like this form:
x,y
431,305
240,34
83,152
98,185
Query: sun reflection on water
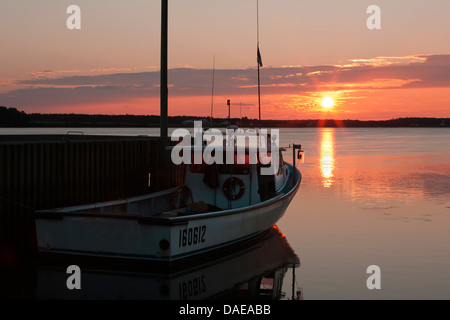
x,y
327,157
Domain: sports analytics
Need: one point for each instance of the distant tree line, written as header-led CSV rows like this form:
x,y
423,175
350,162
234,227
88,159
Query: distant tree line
x,y
330,123
11,117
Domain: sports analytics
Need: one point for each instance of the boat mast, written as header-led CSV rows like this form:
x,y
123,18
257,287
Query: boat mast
x,y
163,83
212,91
259,61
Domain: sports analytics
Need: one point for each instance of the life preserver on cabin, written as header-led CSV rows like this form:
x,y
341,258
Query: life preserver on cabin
x,y
229,188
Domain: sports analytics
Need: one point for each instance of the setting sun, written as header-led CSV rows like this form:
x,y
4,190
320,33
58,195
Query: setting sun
x,y
327,102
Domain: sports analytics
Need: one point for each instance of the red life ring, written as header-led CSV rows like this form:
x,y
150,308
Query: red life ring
x,y
229,187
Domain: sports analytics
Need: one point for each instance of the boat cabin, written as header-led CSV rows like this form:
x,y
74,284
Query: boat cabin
x,y
231,186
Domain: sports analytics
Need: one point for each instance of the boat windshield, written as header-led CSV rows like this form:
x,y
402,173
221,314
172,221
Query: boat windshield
x,y
241,165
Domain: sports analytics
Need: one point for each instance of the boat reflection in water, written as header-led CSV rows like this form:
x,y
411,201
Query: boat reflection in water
x,y
254,270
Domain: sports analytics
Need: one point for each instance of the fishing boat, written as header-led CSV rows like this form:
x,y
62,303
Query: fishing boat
x,y
217,206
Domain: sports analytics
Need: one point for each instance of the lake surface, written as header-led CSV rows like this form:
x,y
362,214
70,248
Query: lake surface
x,y
372,196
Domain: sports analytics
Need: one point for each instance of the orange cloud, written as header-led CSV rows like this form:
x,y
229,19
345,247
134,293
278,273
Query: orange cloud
x,y
377,88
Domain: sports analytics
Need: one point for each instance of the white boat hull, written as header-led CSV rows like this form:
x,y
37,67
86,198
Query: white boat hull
x,y
157,239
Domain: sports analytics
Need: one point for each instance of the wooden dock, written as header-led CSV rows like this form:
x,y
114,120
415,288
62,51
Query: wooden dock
x,y
49,171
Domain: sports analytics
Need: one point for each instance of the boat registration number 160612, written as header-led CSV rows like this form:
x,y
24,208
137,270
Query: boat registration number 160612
x,y
191,236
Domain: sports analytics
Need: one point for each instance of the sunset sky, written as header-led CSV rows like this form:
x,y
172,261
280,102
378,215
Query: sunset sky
x,y
310,50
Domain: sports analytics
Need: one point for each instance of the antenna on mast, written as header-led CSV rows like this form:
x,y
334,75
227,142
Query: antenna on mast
x,y
259,60
212,93
257,22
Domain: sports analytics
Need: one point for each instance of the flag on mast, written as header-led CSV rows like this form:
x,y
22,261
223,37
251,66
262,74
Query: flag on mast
x,y
259,58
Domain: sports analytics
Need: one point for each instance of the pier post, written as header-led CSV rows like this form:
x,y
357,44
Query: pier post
x,y
163,85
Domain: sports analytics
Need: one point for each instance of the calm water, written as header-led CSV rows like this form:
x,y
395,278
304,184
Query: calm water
x,y
373,196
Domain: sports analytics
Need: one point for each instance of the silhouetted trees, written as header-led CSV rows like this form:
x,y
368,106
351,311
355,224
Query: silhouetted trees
x,y
11,117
